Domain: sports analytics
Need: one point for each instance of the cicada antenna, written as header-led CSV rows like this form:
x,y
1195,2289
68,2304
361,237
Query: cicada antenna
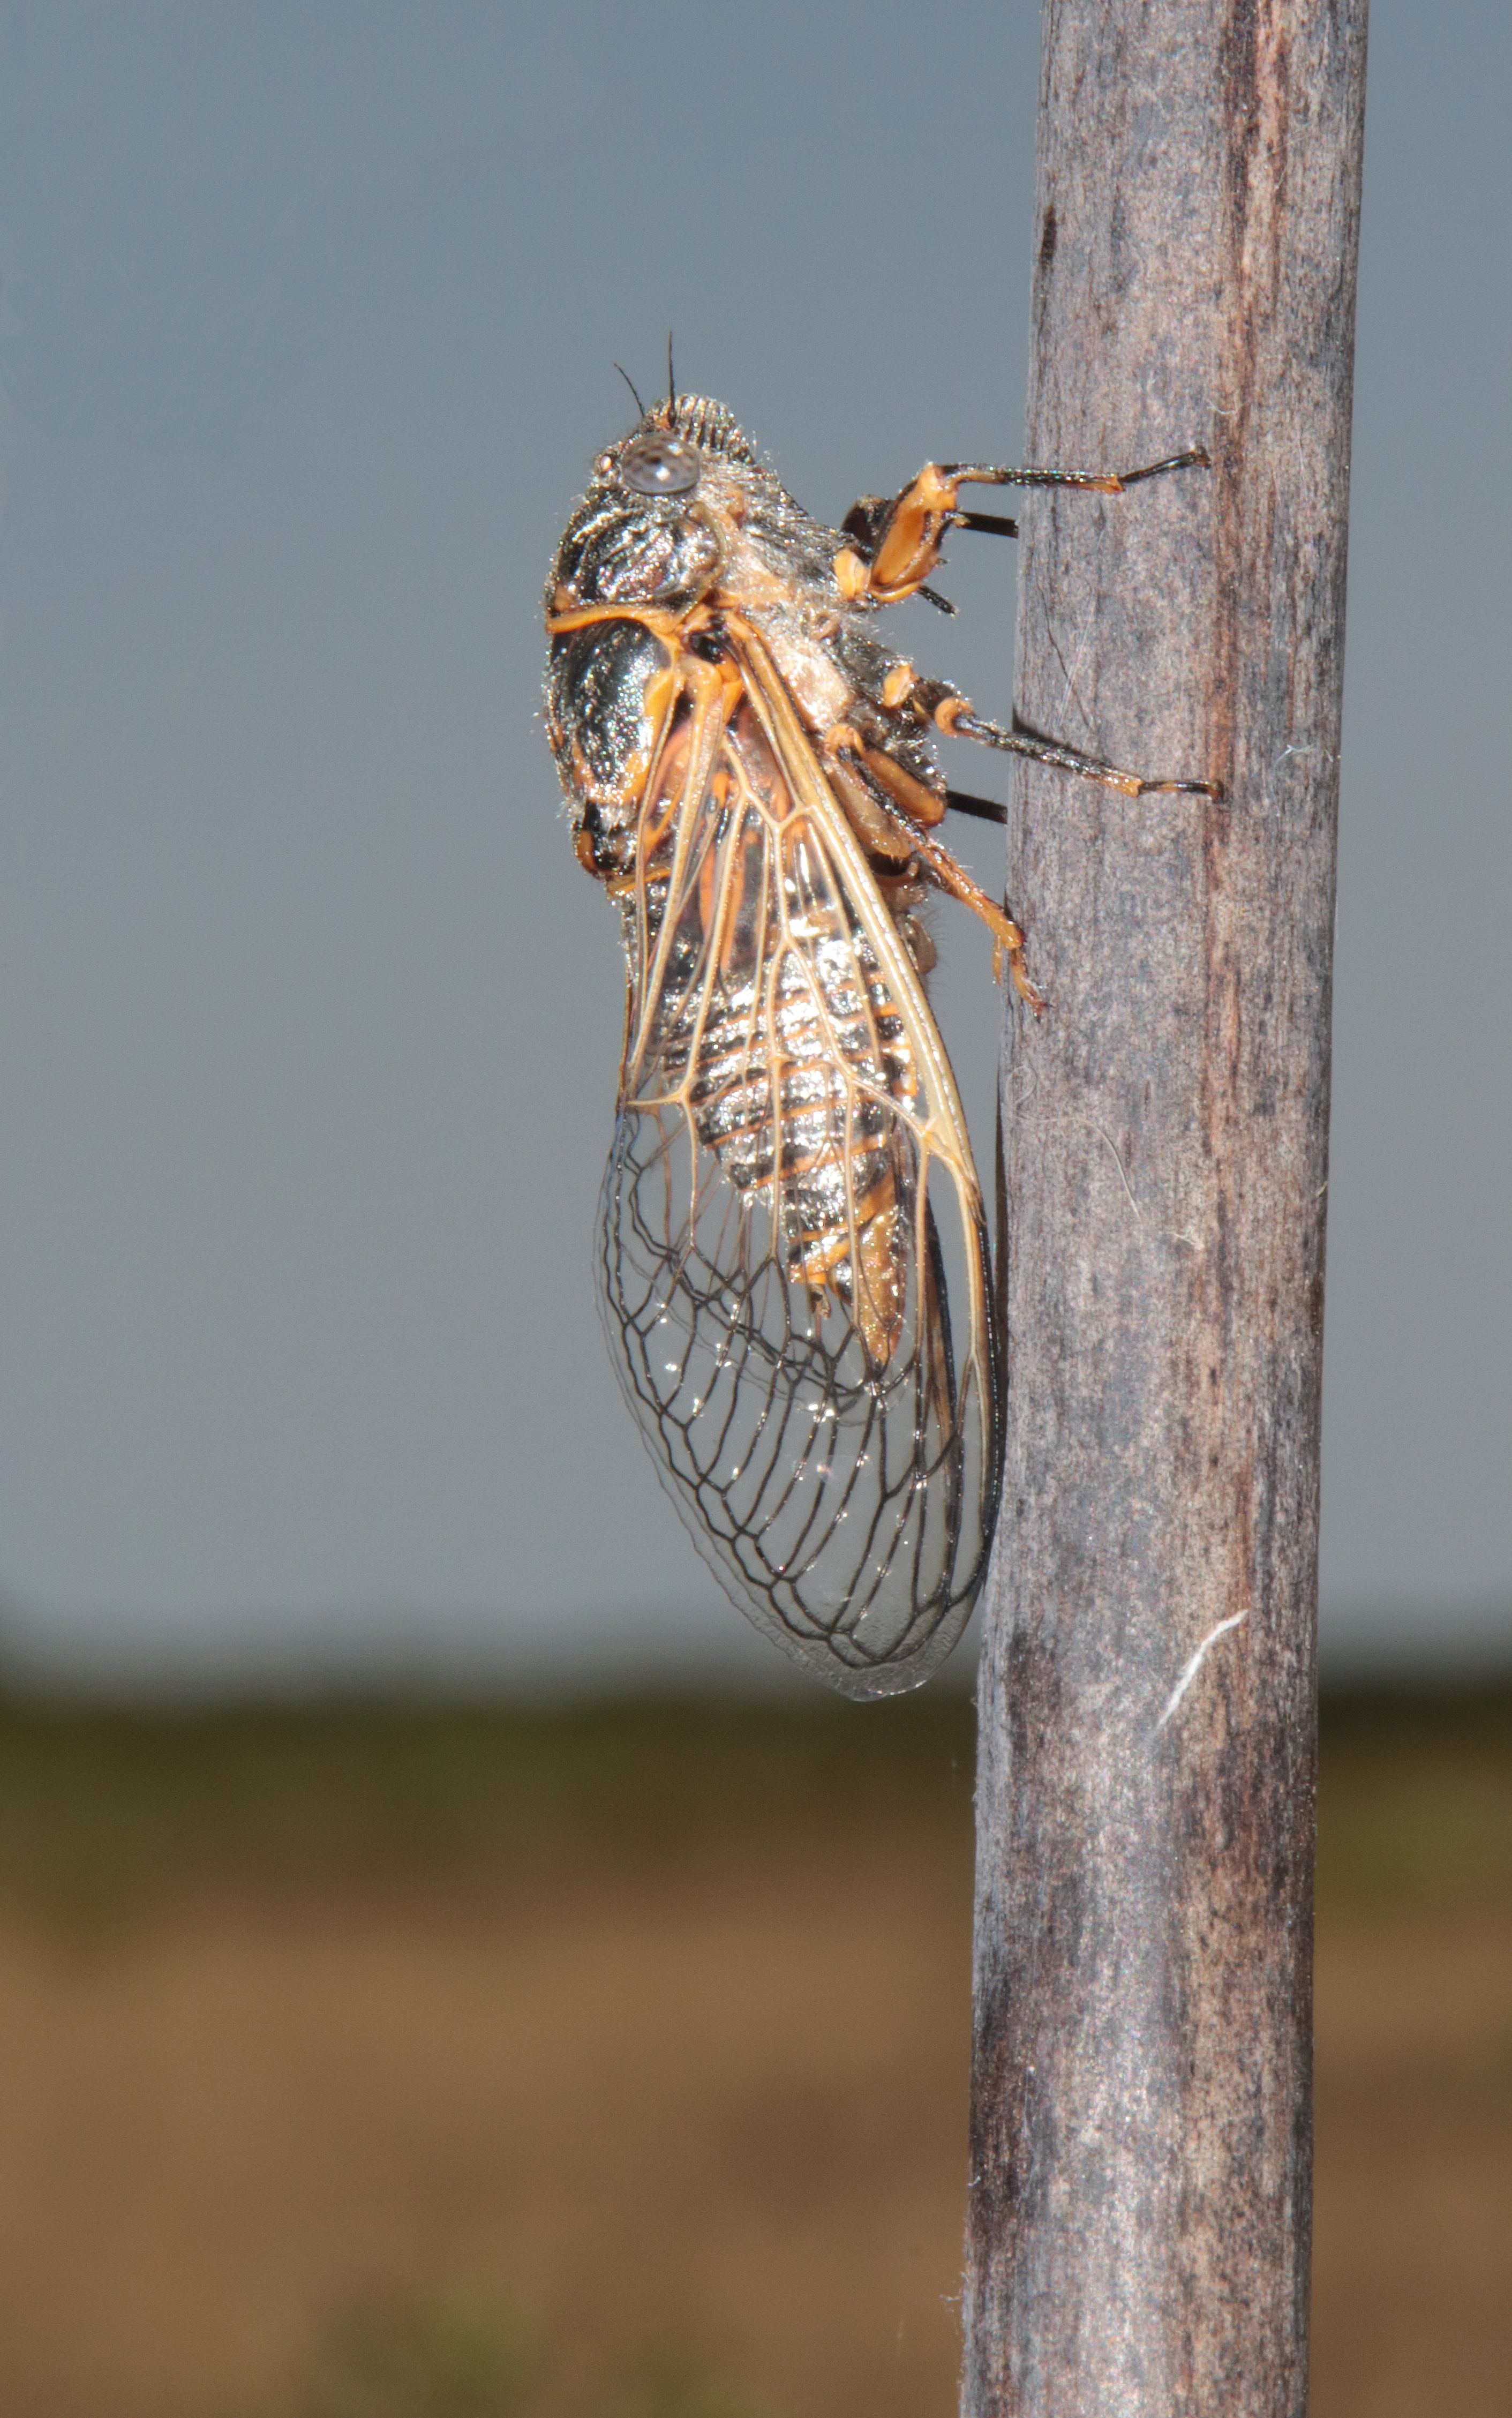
x,y
631,383
671,379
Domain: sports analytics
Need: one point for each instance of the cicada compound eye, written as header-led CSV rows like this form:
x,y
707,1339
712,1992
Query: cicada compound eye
x,y
660,465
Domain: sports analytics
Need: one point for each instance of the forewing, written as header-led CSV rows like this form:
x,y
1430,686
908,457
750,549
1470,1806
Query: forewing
x,y
789,1213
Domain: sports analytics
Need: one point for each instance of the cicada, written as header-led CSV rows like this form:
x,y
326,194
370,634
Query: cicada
x,y
792,1256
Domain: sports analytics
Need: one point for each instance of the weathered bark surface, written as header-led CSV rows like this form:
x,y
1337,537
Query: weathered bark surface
x,y
1138,2227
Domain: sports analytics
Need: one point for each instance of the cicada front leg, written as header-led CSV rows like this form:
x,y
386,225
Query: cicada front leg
x,y
896,541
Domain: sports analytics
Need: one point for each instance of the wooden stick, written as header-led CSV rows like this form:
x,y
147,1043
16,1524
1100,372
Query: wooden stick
x,y
1139,2207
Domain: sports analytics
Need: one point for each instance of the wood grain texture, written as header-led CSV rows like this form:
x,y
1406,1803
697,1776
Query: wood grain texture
x,y
1139,2220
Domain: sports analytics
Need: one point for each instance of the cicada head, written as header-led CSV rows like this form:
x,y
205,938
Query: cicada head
x,y
681,504
654,527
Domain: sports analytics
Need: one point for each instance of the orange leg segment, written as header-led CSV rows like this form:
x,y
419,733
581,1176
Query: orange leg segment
x,y
900,540
842,753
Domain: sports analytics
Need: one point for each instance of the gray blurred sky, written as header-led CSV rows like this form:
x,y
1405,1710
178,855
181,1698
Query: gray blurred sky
x,y
310,1019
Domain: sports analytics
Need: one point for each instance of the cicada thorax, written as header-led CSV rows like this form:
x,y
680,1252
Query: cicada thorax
x,y
764,1011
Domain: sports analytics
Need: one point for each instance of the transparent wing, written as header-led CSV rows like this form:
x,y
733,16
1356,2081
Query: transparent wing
x,y
790,1210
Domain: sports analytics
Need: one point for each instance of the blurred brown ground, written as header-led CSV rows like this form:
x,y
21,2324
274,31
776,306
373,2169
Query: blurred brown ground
x,y
653,2024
